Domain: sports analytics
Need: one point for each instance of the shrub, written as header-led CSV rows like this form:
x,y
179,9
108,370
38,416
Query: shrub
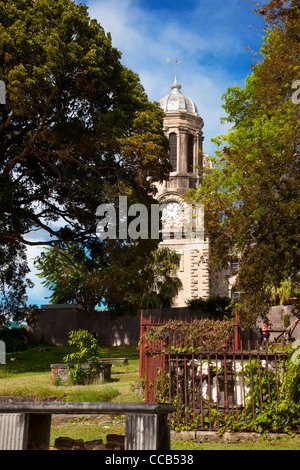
x,y
198,334
88,351
216,305
15,339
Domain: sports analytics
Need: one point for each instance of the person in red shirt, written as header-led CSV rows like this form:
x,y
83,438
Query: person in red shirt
x,y
265,335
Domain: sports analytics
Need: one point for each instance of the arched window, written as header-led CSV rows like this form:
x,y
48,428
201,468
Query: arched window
x,y
173,150
190,154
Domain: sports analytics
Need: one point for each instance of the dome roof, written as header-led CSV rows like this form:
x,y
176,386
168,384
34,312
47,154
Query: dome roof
x,y
176,101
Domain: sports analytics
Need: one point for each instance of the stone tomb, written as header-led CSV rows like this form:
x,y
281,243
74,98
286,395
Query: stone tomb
x,y
60,373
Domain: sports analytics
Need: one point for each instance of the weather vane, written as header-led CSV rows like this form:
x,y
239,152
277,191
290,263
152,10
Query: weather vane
x,y
176,62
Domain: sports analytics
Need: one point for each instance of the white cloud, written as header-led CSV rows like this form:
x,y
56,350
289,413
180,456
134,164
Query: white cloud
x,y
147,37
118,18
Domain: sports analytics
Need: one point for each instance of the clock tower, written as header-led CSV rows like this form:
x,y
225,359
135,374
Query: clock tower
x,y
183,126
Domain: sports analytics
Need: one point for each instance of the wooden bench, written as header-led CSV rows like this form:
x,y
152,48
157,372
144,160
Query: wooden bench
x,y
146,424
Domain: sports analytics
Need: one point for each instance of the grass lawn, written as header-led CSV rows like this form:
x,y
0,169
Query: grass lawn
x,y
87,429
278,443
28,374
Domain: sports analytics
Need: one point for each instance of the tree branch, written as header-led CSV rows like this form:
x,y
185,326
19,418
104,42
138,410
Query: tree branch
x,y
26,150
7,122
28,242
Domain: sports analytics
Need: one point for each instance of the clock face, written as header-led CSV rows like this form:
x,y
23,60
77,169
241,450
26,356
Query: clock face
x,y
171,211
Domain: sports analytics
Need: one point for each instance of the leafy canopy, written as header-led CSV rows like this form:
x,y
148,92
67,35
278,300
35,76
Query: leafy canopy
x,y
77,131
124,284
252,200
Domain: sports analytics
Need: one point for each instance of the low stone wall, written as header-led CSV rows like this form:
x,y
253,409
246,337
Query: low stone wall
x,y
230,437
60,372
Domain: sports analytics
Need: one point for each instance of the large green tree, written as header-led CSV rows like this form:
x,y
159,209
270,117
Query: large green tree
x,y
252,197
73,275
77,131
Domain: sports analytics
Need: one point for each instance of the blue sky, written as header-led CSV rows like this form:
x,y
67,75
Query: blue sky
x,y
208,37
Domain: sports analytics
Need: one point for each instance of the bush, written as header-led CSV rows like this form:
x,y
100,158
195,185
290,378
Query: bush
x,y
216,305
15,339
88,352
198,334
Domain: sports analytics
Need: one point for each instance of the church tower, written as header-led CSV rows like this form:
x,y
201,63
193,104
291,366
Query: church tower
x,y
183,126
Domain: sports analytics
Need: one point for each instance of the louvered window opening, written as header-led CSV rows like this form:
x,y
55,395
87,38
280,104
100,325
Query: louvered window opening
x,y
190,154
173,151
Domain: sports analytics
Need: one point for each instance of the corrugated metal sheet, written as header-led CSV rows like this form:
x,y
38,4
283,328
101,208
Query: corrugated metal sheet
x,y
13,431
141,432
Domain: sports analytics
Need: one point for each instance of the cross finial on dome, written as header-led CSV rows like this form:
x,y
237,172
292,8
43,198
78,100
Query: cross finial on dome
x,y
176,101
175,84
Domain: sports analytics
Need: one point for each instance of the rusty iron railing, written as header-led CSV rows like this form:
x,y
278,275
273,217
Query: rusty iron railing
x,y
209,385
149,322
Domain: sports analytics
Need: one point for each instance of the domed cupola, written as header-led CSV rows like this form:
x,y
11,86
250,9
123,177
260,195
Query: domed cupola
x,y
176,101
183,126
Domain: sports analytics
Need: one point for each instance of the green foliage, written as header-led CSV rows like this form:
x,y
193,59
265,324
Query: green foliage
x,y
15,339
78,131
291,378
251,195
157,280
269,414
286,320
282,294
86,343
13,280
88,351
78,375
126,283
199,334
107,394
72,275
272,403
217,305
263,383
296,353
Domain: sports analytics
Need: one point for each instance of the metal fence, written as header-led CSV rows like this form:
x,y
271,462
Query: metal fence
x,y
209,385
